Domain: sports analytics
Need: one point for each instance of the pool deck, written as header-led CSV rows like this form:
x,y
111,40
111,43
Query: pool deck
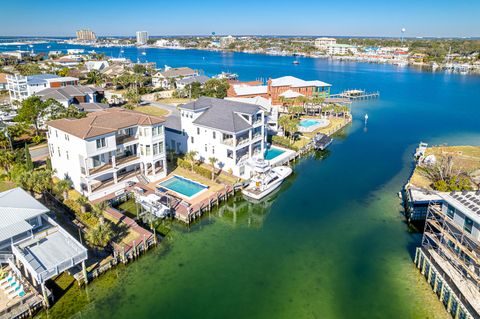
x,y
188,209
283,158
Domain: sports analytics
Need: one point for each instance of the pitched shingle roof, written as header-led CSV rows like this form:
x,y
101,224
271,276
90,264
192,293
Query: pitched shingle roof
x,y
221,114
104,122
176,72
67,92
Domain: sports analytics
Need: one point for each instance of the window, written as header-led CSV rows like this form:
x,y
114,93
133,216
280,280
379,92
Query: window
x,y
101,142
242,170
214,135
66,153
147,150
191,139
213,149
160,147
450,211
206,149
198,131
468,225
155,149
142,152
59,152
56,133
66,137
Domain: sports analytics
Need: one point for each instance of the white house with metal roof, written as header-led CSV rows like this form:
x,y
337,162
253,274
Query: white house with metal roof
x,y
33,240
21,87
230,131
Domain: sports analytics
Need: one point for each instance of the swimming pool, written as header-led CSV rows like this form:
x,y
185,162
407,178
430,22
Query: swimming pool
x,y
272,152
308,122
183,186
310,125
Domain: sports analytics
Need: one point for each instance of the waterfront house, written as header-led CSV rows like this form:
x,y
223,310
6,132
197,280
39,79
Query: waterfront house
x,y
168,76
449,257
183,82
34,247
107,150
21,87
291,87
73,94
231,131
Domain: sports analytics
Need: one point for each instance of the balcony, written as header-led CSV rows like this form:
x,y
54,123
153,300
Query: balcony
x,y
126,159
100,168
99,185
122,139
228,141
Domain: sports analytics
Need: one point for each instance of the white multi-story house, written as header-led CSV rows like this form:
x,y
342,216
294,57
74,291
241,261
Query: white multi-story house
x,y
166,78
231,131
21,87
107,150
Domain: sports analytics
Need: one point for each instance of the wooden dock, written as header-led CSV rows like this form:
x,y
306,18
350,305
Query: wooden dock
x,y
356,95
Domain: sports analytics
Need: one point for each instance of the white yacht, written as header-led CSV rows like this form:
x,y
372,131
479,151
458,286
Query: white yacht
x,y
265,180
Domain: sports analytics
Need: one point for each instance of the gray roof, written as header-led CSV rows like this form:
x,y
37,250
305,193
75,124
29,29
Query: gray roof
x,y
17,206
192,79
173,121
221,114
67,92
92,107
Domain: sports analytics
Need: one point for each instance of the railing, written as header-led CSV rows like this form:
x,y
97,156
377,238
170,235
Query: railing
x,y
228,141
100,168
126,159
122,139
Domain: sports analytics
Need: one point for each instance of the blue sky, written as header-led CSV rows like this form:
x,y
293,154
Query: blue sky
x,y
294,17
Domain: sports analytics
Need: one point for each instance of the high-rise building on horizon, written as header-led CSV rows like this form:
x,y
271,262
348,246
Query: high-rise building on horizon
x,y
142,37
86,35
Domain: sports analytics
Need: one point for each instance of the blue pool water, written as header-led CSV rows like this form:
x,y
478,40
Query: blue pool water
x,y
183,186
273,152
309,122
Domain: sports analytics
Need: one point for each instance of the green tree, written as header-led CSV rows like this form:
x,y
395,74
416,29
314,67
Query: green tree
x,y
28,69
190,157
82,201
132,96
216,88
100,235
95,77
33,110
63,186
212,161
139,69
63,72
28,158
7,159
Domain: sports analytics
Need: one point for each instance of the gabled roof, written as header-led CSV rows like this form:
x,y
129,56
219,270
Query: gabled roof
x,y
242,89
104,122
176,72
289,94
296,82
17,206
223,115
67,92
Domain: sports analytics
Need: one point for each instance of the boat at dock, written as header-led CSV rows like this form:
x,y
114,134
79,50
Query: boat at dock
x,y
226,75
265,180
321,141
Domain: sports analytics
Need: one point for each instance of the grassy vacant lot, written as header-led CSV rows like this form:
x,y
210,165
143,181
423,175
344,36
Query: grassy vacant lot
x,y
152,110
175,101
465,158
6,185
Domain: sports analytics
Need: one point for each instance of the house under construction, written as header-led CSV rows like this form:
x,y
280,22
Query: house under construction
x,y
449,257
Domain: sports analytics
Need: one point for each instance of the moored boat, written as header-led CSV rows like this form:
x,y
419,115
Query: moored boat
x,y
265,180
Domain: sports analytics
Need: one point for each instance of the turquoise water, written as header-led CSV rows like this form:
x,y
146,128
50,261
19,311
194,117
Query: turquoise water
x,y
333,242
183,186
273,152
308,122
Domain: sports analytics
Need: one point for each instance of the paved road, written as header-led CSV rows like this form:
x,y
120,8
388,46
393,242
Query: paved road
x,y
170,108
39,153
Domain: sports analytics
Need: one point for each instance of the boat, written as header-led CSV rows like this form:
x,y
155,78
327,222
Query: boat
x,y
296,62
226,75
321,141
265,180
144,53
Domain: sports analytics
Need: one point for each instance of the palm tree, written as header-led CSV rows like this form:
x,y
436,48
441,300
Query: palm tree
x,y
100,235
190,157
212,160
63,186
82,201
94,77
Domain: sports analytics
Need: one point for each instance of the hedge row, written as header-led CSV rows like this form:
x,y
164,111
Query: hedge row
x,y
200,170
283,141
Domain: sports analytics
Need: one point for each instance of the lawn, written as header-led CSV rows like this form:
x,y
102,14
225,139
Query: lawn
x,y
152,110
128,208
6,185
175,101
466,159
